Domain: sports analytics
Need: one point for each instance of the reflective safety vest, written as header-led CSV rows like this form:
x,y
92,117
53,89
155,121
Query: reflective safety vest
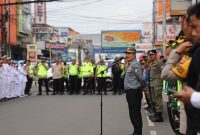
x,y
87,69
42,71
31,70
179,88
73,69
80,72
122,66
101,68
165,87
65,71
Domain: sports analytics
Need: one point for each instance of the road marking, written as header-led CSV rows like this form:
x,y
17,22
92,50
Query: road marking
x,y
150,123
153,132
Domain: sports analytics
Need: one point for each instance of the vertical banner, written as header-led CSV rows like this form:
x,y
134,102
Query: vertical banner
x,y
40,13
32,53
160,9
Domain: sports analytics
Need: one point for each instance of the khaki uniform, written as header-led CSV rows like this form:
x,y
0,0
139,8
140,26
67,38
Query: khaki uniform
x,y
156,84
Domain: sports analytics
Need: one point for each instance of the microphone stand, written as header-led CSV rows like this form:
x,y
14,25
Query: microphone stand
x,y
101,101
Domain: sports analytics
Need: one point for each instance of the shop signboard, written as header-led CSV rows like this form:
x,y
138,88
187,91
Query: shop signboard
x,y
121,38
171,32
143,46
179,7
40,13
55,45
32,53
42,30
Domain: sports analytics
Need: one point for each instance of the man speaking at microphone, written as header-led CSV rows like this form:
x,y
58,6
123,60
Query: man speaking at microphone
x,y
133,83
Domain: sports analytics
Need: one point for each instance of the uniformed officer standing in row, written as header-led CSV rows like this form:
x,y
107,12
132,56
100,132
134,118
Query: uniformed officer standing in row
x,y
30,74
42,68
57,71
65,77
101,77
80,76
88,73
73,76
156,85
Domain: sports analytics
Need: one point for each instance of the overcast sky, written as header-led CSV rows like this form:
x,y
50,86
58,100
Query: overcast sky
x,y
92,16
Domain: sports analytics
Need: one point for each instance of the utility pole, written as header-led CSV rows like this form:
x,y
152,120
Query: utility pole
x,y
9,25
164,25
5,49
4,30
154,22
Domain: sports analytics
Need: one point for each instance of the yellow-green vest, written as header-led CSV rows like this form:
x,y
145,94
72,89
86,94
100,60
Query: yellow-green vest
x,y
80,72
31,70
87,69
179,88
65,71
101,68
122,66
42,71
73,69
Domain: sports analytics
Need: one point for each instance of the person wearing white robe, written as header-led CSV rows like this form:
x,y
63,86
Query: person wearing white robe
x,y
5,80
22,78
13,80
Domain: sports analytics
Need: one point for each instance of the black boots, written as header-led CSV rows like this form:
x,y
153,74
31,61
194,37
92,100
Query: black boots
x,y
157,117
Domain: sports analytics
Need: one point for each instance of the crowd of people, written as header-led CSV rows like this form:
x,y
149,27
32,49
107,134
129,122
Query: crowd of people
x,y
177,75
13,79
69,78
89,77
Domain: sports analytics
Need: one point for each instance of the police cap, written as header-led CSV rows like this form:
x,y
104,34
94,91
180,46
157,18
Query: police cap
x,y
130,50
151,52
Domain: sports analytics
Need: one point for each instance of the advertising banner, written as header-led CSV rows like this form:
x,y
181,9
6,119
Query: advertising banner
x,y
160,9
171,32
32,53
40,13
25,19
179,7
147,32
120,38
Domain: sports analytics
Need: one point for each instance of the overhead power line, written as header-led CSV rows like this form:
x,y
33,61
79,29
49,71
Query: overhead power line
x,y
27,2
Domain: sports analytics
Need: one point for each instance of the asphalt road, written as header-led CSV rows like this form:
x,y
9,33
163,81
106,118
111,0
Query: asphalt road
x,y
72,115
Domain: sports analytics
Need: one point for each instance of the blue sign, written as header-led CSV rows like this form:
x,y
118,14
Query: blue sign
x,y
110,50
64,34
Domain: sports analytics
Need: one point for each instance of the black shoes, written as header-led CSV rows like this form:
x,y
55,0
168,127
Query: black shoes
x,y
157,117
39,94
